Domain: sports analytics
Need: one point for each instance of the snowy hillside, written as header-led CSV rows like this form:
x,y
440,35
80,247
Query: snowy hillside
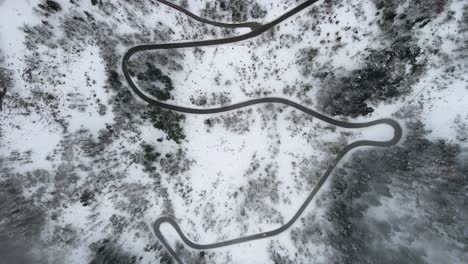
x,y
88,165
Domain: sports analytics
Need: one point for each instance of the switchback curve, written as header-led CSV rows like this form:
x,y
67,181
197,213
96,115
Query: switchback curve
x,y
256,30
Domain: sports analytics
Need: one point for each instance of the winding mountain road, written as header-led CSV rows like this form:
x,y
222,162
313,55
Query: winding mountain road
x,y
256,30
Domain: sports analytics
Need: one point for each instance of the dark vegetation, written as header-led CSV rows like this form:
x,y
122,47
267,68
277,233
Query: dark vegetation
x,y
20,226
165,258
87,198
306,59
464,33
262,195
150,157
187,255
109,252
430,174
167,121
50,6
176,163
203,99
84,29
238,10
238,122
383,78
151,77
96,2
6,81
279,254
173,163
425,180
160,85
416,15
461,128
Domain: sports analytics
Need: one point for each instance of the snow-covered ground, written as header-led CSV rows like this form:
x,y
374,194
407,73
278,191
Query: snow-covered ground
x,y
90,167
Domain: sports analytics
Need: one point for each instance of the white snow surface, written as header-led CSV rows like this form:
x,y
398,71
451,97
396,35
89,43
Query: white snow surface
x,y
273,143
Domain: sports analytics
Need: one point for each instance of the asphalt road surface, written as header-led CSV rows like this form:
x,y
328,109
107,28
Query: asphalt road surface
x,y
256,30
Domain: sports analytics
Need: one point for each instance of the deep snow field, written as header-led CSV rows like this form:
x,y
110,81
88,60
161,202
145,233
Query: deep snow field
x,y
86,167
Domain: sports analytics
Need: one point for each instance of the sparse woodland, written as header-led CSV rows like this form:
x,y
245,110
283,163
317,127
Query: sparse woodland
x,y
86,167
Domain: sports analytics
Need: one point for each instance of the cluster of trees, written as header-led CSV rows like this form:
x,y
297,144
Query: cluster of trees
x,y
86,165
461,127
50,6
175,163
6,80
171,163
238,122
167,121
238,10
21,225
416,14
424,180
150,157
384,77
110,251
261,195
306,59
158,84
214,99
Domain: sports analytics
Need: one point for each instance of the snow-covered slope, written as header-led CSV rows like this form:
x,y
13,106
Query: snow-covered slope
x,y
86,167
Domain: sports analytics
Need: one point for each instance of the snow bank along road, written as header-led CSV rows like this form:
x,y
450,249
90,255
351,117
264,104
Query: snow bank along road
x,y
256,30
